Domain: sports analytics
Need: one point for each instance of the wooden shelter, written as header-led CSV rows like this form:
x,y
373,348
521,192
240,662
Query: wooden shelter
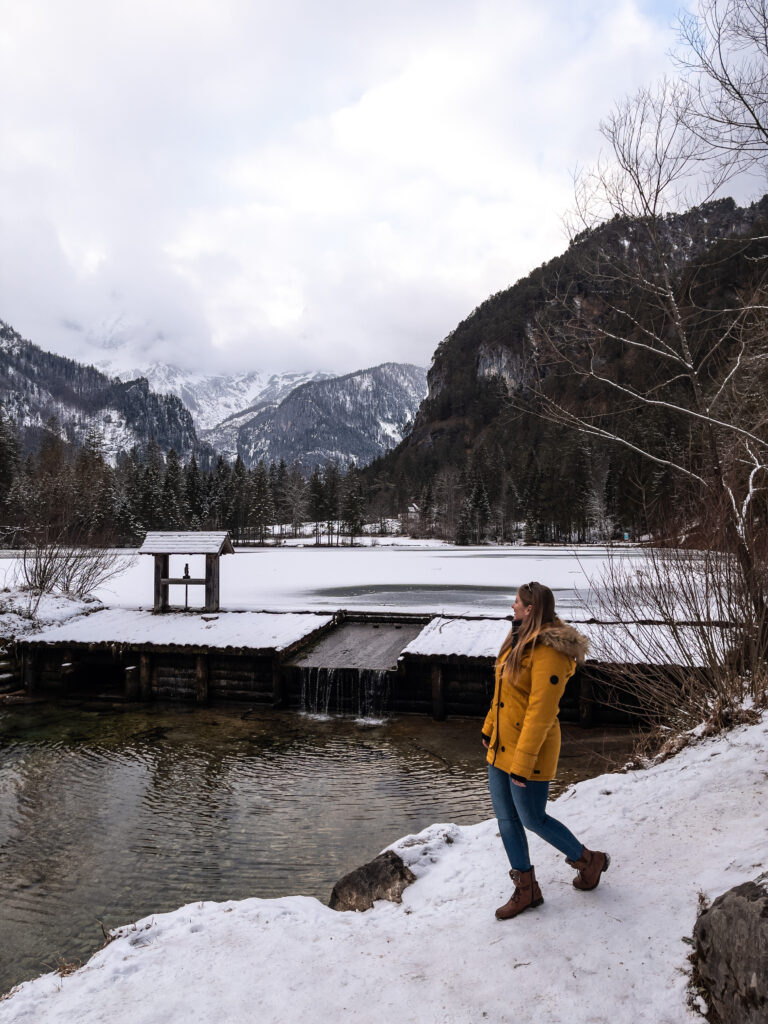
x,y
163,543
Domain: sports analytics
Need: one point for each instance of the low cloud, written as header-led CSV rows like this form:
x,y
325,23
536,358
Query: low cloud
x,y
237,185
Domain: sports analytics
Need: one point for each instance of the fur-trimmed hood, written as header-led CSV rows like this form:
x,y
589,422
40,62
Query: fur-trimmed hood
x,y
562,637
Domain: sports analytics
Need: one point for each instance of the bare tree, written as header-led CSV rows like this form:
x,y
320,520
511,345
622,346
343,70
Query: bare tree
x,y
646,336
724,60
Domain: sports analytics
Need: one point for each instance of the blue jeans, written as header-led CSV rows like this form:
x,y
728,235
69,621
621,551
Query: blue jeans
x,y
517,809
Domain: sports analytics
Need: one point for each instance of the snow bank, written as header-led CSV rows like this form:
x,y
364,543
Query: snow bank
x,y
693,824
18,616
242,630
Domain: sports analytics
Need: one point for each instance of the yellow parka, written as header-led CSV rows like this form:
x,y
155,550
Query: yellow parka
x,y
521,725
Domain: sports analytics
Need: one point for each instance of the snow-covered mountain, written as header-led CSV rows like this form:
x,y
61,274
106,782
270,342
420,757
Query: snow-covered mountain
x,y
212,398
38,388
354,418
310,417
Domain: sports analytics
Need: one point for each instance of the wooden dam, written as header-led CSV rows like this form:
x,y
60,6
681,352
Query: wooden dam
x,y
358,663
366,664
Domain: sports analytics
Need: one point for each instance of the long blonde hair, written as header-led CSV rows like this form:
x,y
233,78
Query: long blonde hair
x,y
541,600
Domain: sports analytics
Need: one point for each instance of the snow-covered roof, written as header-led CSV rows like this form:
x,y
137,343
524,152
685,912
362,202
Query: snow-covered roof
x,y
613,643
468,638
187,542
255,631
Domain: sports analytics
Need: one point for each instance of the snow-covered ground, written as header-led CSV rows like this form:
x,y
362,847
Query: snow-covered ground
x,y
21,613
694,824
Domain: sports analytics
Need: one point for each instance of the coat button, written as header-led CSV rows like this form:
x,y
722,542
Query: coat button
x,y
501,705
503,749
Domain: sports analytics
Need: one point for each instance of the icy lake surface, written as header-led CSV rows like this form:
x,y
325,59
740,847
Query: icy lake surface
x,y
404,577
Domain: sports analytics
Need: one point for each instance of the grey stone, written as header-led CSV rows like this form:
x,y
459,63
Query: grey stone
x,y
731,940
383,878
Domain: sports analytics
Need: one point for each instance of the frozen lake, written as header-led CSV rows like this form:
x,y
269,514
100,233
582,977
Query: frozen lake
x,y
410,578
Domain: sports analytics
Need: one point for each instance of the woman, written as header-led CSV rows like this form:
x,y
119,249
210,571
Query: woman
x,y
522,736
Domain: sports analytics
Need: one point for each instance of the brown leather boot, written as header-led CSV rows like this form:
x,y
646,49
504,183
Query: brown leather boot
x,y
527,894
590,866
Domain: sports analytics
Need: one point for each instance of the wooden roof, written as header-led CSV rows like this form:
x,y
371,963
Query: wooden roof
x,y
187,542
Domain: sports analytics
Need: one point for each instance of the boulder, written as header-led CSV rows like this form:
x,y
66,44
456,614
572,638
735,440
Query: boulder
x,y
731,940
383,878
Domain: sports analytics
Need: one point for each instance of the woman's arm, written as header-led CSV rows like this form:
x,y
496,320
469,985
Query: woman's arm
x,y
550,670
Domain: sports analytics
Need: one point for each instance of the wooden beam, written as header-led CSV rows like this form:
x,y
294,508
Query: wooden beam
x,y
145,675
211,583
162,563
438,694
277,683
29,669
132,682
201,679
186,581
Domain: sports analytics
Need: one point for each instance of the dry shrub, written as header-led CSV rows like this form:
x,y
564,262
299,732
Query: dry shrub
x,y
49,564
685,640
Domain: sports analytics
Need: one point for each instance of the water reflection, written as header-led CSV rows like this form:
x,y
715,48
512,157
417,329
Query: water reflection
x,y
109,814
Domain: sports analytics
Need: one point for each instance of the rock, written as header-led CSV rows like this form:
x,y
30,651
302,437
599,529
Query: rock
x,y
731,940
383,878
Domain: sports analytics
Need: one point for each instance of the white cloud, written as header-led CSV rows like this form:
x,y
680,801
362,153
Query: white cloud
x,y
271,186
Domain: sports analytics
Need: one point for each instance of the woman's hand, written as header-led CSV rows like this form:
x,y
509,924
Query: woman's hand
x,y
485,743
516,783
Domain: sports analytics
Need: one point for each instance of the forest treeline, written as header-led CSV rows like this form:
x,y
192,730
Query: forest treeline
x,y
74,494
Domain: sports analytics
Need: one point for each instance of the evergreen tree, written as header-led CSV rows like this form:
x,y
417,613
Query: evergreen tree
x,y
332,481
316,505
262,509
173,500
464,526
9,461
481,511
194,488
295,492
352,504
427,511
241,499
152,478
220,495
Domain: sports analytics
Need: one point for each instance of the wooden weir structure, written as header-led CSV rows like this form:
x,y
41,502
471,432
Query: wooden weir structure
x,y
349,661
267,658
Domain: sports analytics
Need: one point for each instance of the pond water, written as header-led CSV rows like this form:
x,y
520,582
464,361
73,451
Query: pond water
x,y
110,813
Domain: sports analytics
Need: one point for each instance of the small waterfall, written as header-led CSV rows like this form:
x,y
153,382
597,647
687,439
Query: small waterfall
x,y
375,692
365,693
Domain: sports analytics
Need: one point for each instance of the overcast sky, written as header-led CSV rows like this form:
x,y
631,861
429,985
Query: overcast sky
x,y
243,184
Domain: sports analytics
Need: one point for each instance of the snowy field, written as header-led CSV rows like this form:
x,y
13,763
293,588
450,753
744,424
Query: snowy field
x,y
614,956
396,575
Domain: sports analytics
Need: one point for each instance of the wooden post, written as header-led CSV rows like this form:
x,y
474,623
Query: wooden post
x,y
132,682
201,679
586,701
145,676
211,583
438,694
67,670
162,563
30,673
277,683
